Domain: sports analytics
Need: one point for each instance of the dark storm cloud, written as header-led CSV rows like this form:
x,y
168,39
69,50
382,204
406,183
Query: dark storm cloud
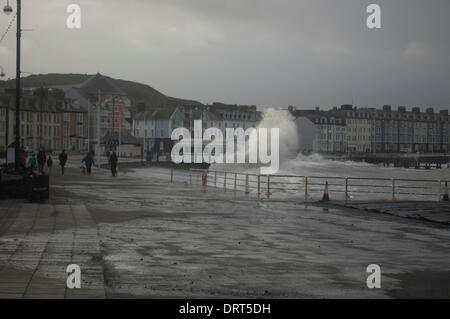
x,y
265,52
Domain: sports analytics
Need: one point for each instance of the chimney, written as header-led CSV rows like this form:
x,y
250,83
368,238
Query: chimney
x,y
140,107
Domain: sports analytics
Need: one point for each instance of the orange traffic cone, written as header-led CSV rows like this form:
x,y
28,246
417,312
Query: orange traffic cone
x,y
204,181
325,193
204,178
445,196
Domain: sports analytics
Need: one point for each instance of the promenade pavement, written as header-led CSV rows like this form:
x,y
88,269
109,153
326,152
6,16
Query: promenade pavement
x,y
145,237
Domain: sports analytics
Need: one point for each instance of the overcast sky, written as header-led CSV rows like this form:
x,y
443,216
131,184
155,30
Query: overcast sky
x,y
263,52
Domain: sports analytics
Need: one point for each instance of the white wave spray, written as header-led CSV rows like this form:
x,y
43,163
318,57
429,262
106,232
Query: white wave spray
x,y
288,138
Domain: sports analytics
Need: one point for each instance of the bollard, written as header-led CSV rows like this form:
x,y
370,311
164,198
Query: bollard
x,y
268,187
190,177
246,184
347,197
259,185
171,175
306,188
440,190
225,181
393,190
445,196
215,179
325,197
235,181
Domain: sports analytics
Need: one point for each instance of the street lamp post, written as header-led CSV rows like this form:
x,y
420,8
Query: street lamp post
x,y
113,128
113,120
8,10
41,99
98,125
2,74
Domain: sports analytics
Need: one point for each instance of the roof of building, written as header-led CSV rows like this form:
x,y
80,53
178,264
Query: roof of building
x,y
99,83
164,114
232,107
126,138
32,103
210,116
156,114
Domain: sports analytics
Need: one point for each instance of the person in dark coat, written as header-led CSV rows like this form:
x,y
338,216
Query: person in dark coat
x,y
62,160
89,161
113,163
49,165
23,158
41,158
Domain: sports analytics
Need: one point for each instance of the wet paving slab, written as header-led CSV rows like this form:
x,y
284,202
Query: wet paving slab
x,y
39,245
437,212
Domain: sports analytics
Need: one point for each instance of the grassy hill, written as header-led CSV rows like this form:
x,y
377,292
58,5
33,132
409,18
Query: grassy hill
x,y
137,92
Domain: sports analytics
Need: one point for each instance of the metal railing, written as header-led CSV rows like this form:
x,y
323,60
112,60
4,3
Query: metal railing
x,y
312,187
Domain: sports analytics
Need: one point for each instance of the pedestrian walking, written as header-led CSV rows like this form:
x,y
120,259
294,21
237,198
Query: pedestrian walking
x,y
62,160
49,165
32,161
41,158
89,161
23,158
113,164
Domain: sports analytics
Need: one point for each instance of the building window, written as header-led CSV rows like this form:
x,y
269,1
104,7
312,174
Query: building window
x,y
66,144
66,130
80,130
66,117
